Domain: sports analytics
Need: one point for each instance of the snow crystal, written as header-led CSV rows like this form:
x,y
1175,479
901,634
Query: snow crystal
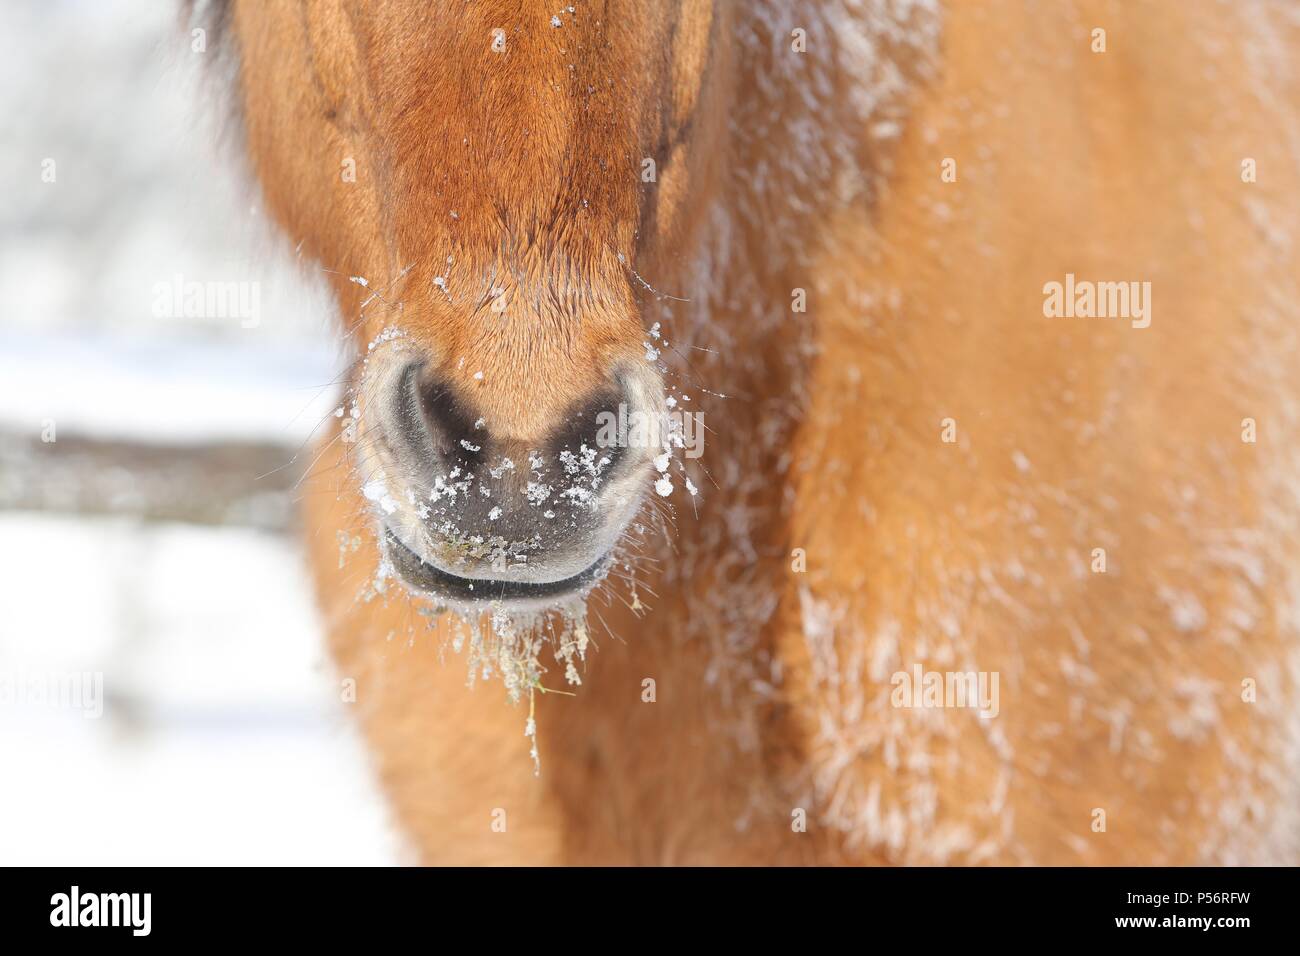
x,y
376,491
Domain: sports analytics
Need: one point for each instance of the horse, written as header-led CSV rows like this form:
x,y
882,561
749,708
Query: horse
x,y
984,547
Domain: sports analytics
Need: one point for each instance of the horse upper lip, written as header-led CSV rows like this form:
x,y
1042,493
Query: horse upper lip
x,y
426,576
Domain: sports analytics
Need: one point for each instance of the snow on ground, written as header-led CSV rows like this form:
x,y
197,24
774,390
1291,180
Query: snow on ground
x,y
142,294
221,737
172,392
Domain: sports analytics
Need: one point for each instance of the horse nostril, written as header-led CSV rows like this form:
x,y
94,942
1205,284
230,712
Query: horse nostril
x,y
587,433
434,423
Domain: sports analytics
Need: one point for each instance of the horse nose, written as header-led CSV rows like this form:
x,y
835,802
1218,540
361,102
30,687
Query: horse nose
x,y
450,433
436,423
477,500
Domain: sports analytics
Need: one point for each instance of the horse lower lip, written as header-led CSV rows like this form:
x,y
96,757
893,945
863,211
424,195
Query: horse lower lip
x,y
429,578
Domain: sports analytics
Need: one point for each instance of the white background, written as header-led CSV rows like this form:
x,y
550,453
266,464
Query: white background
x,y
222,739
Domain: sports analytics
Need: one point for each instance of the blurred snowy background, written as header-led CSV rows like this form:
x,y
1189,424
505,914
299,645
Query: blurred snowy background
x,y
154,540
